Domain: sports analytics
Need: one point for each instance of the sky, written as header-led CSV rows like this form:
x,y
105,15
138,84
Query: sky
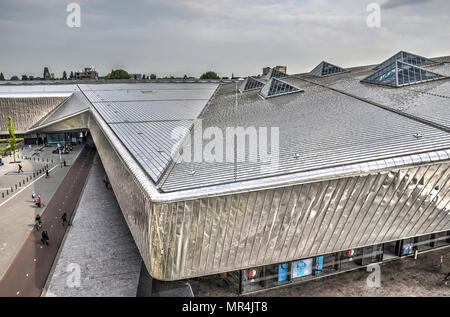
x,y
178,37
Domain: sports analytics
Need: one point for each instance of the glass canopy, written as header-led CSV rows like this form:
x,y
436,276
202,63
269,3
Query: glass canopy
x,y
407,58
276,87
251,83
398,74
327,69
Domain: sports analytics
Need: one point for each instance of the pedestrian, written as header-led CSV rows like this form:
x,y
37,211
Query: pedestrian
x,y
447,278
38,201
33,196
47,174
64,218
45,237
441,262
106,181
20,169
37,222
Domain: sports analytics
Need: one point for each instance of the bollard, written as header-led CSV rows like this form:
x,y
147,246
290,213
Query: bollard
x,y
3,195
27,179
7,193
16,185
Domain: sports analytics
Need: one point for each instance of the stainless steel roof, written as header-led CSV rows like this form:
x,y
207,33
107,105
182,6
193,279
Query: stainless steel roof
x,y
429,101
322,128
150,119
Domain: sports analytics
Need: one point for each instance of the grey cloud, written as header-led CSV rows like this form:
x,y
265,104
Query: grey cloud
x,y
390,4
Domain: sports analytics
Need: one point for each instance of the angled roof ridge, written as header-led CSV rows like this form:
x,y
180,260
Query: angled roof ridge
x,y
175,156
51,112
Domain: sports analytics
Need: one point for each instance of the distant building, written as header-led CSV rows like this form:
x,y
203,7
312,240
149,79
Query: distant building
x,y
46,74
282,69
88,73
136,76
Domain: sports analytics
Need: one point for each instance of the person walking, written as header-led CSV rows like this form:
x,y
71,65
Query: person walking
x,y
37,222
64,219
47,175
106,181
20,169
38,201
447,278
33,196
45,237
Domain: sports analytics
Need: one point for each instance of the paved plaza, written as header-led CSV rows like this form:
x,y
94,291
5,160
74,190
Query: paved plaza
x,y
405,278
28,273
99,244
17,208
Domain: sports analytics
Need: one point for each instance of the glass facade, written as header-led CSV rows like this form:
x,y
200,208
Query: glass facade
x,y
399,74
327,69
279,274
407,58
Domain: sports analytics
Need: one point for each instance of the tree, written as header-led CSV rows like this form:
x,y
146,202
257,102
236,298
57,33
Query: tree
x,y
64,75
153,76
118,74
210,75
12,135
24,77
14,78
2,77
71,75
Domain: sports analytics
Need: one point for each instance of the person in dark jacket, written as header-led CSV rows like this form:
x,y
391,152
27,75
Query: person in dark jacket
x,y
64,218
45,237
447,278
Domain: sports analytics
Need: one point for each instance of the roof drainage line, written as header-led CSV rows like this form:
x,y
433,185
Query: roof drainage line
x,y
147,121
376,104
176,156
145,100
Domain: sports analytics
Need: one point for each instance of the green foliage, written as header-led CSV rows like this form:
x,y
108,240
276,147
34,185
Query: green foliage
x,y
64,77
118,74
2,77
12,135
210,75
24,77
14,78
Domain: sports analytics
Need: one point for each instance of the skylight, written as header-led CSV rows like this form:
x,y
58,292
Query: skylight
x,y
276,87
327,69
251,83
399,74
407,58
274,73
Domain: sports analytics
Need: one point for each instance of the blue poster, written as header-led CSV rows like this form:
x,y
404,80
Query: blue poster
x,y
319,264
302,268
283,272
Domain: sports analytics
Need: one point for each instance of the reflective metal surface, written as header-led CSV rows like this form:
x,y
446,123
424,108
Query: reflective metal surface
x,y
217,234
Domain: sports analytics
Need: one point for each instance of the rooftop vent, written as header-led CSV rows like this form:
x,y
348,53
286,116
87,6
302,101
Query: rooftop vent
x,y
407,58
399,74
327,69
276,87
251,83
